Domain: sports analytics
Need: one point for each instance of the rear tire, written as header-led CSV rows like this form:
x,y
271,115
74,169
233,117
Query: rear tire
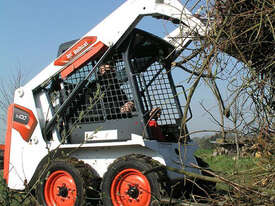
x,y
61,184
131,180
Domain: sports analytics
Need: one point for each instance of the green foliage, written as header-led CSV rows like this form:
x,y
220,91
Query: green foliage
x,y
11,198
4,193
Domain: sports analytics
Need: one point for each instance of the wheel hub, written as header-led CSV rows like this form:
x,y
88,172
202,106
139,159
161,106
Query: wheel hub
x,y
133,191
60,189
63,191
130,188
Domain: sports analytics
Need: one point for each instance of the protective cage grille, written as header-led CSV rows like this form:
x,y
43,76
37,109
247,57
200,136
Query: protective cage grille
x,y
103,96
155,89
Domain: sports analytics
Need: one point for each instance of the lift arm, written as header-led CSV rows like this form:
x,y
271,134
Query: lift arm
x,y
117,25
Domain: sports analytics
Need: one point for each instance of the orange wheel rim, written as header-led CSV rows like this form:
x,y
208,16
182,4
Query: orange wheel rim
x,y
130,187
60,189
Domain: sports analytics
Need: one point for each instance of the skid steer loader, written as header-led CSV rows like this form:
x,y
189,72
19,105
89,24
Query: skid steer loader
x,y
105,115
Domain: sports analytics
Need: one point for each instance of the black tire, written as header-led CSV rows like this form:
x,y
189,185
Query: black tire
x,y
129,180
48,188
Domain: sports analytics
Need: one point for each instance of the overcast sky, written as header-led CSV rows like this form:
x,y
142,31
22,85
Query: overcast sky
x,y
32,30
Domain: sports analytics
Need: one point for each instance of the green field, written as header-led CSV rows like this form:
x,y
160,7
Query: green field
x,y
229,167
226,164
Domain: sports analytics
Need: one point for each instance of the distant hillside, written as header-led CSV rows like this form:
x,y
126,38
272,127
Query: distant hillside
x,y
204,142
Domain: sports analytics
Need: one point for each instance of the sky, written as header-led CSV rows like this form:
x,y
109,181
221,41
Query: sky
x,y
32,30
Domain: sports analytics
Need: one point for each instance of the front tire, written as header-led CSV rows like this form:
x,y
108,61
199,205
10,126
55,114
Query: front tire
x,y
131,180
61,184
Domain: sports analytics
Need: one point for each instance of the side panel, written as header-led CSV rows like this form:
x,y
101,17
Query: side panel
x,y
24,159
16,172
22,151
169,154
23,121
100,158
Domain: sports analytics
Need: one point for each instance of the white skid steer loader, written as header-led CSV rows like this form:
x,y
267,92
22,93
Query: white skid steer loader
x,y
104,115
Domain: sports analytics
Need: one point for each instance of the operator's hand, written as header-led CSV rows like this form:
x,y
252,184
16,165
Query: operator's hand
x,y
105,67
127,107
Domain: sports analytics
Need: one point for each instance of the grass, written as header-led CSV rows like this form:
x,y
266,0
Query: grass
x,y
253,178
229,167
226,164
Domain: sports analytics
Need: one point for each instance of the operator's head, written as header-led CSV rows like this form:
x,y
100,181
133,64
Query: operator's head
x,y
155,113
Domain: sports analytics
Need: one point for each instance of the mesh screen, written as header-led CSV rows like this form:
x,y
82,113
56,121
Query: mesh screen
x,y
103,96
156,91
